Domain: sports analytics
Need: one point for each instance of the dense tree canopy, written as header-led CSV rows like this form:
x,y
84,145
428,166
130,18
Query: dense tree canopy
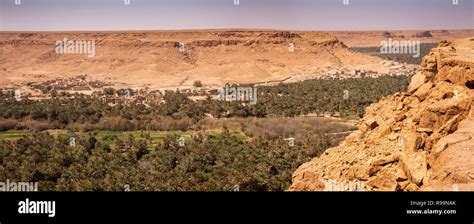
x,y
204,163
348,97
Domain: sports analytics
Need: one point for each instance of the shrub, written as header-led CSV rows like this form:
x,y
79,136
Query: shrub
x,y
197,83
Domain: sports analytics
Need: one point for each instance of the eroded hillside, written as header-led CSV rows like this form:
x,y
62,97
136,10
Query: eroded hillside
x,y
178,58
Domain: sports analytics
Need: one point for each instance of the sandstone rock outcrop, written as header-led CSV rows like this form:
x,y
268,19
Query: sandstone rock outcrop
x,y
422,139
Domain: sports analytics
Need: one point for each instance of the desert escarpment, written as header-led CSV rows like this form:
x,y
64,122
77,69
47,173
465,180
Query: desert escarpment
x,y
177,58
422,139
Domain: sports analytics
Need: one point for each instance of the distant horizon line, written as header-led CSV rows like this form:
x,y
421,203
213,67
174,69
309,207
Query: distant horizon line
x,y
237,29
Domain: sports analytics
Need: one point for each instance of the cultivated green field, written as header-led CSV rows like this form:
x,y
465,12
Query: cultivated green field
x,y
11,134
110,137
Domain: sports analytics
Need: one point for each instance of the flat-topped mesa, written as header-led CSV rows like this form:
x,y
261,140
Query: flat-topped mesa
x,y
422,139
172,59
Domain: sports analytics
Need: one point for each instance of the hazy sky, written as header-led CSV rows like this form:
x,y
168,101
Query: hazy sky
x,y
56,15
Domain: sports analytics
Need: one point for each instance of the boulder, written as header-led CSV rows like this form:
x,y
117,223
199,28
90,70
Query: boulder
x,y
411,187
416,81
415,166
383,182
385,160
423,91
424,130
400,176
400,117
414,142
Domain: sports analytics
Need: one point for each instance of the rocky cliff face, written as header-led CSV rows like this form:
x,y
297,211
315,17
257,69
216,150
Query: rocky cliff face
x,y
422,139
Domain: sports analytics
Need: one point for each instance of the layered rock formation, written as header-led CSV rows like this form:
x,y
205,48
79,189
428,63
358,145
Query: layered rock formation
x,y
422,139
175,59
